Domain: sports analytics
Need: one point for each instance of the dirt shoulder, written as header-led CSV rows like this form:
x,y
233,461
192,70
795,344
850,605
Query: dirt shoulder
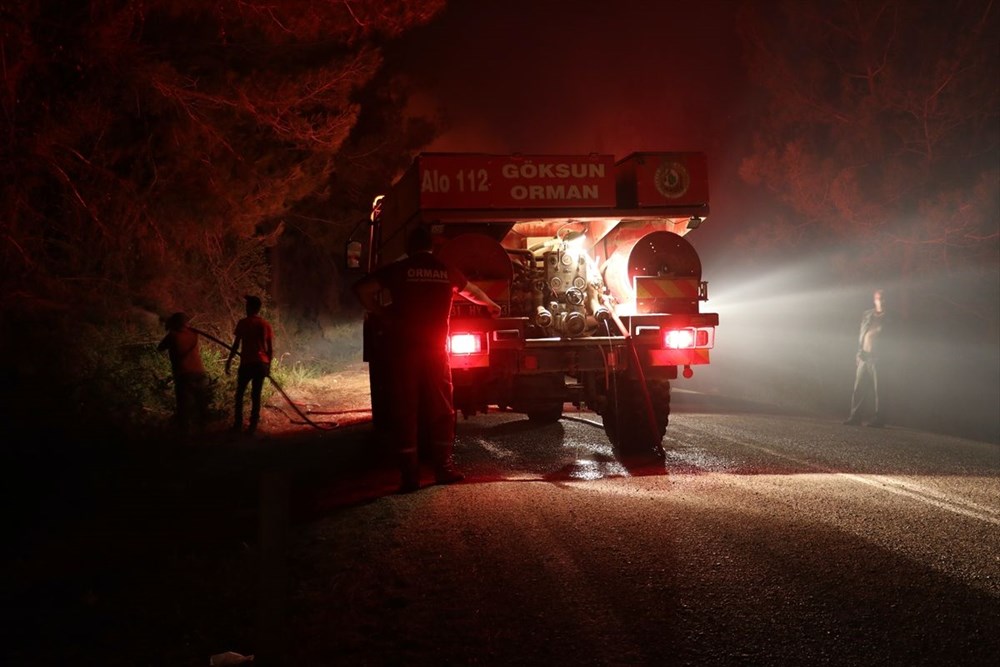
x,y
342,398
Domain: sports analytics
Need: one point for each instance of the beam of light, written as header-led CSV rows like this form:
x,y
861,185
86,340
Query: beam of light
x,y
788,336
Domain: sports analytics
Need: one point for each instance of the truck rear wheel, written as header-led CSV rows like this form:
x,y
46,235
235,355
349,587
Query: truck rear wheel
x,y
626,421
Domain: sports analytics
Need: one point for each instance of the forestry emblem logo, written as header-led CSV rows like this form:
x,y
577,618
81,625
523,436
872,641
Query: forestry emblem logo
x,y
672,179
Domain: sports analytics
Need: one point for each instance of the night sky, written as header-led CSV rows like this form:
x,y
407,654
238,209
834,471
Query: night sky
x,y
611,77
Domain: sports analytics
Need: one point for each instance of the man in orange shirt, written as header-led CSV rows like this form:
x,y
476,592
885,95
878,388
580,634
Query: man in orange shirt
x,y
254,340
190,381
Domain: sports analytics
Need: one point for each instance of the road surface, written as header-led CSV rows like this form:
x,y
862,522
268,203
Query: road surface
x,y
764,539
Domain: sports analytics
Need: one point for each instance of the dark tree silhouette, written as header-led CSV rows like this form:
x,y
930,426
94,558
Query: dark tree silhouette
x,y
881,128
155,151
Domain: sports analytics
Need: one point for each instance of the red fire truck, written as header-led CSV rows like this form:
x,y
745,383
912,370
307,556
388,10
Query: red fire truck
x,y
586,255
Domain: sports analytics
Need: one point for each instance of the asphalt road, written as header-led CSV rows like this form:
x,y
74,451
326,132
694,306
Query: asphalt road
x,y
764,539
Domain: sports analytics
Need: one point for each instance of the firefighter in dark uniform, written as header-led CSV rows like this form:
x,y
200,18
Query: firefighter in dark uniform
x,y
413,297
866,377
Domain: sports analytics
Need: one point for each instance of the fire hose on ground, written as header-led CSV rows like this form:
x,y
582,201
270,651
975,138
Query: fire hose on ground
x,y
323,426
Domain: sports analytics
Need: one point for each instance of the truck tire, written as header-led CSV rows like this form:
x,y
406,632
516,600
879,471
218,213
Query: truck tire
x,y
546,414
626,422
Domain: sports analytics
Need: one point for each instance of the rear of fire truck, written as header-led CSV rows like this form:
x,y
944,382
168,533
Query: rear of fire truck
x,y
586,256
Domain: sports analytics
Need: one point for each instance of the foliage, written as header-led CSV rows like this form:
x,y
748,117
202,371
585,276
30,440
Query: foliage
x,y
155,152
880,127
293,374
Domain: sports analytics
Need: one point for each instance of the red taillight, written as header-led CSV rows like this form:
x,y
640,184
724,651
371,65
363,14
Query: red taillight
x,y
689,337
465,343
679,339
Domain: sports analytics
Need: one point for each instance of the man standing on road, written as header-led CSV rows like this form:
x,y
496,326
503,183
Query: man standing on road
x,y
413,298
866,377
256,337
